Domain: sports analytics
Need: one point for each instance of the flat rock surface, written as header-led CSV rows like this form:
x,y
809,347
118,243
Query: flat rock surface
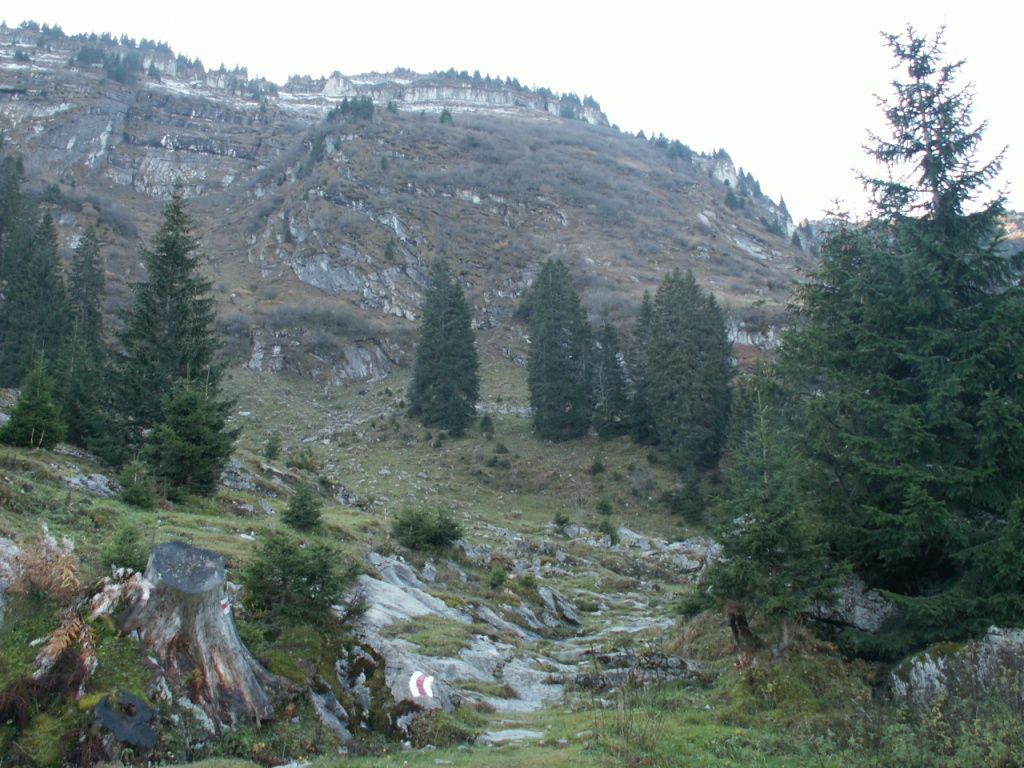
x,y
511,734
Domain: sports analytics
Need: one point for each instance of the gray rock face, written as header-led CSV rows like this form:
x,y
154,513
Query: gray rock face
x,y
9,552
490,738
987,665
400,595
693,555
389,602
368,360
97,484
857,606
332,715
557,603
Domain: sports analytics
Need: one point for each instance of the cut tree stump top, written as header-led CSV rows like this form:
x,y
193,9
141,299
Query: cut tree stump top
x,y
187,568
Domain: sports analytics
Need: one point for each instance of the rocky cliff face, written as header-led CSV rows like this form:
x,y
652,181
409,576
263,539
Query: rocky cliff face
x,y
309,215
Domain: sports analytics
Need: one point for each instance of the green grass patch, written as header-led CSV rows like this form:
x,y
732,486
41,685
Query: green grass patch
x,y
435,635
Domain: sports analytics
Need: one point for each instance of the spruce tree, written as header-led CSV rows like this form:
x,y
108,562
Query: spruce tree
x,y
689,370
775,564
561,356
83,390
35,421
16,216
445,379
611,402
168,332
86,285
303,512
908,360
190,446
641,418
82,393
33,318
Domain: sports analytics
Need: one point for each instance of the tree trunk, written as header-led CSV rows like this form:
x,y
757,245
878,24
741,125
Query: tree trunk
x,y
185,620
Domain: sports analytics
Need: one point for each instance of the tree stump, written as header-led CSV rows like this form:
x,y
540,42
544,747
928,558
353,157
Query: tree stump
x,y
185,620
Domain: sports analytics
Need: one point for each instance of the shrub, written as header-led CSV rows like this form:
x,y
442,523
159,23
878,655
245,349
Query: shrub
x,y
486,425
125,550
283,578
498,577
596,466
528,582
272,447
426,528
604,506
561,519
303,512
137,488
607,527
304,460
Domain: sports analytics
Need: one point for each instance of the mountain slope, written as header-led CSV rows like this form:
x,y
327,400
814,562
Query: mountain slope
x,y
319,225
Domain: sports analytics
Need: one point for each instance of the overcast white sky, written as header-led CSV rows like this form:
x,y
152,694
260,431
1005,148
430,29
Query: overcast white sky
x,y
786,87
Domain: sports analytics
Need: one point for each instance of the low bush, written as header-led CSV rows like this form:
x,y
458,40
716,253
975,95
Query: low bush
x,y
125,550
498,577
426,527
283,578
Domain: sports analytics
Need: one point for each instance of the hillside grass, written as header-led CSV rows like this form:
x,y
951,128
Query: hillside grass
x,y
811,709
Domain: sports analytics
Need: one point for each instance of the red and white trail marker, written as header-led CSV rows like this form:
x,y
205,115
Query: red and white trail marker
x,y
421,684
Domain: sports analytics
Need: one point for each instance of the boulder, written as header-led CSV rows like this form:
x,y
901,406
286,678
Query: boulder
x,y
9,568
857,606
979,668
97,484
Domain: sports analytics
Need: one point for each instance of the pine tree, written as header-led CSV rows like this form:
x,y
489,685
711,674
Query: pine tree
x,y
611,402
35,421
689,370
908,359
168,332
445,379
561,356
33,319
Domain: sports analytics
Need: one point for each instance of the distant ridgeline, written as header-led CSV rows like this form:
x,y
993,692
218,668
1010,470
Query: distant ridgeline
x,y
124,59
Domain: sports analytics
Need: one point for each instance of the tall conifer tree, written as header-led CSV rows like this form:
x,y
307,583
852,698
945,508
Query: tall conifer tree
x,y
446,378
86,285
83,384
561,356
611,399
33,318
16,216
689,370
168,331
775,564
641,418
909,361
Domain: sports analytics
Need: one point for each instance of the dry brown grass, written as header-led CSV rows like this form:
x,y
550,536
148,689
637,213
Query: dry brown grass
x,y
48,567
